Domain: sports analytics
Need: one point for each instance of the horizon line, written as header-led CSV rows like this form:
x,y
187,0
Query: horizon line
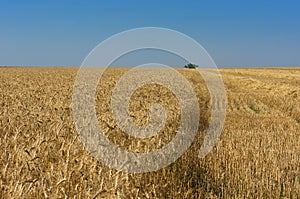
x,y
62,66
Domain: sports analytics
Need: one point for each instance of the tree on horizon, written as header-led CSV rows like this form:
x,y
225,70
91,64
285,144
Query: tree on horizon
x,y
190,65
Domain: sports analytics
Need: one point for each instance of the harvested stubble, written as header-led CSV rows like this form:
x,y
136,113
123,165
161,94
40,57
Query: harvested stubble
x,y
257,156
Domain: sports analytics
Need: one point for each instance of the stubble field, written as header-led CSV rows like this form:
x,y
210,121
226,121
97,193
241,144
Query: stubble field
x,y
257,155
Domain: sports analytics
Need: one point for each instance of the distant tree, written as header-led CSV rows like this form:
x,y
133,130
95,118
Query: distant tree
x,y
190,65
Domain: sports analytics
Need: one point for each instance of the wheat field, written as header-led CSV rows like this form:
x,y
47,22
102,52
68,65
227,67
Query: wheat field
x,y
257,155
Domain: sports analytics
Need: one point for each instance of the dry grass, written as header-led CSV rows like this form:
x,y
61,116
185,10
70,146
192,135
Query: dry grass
x,y
257,156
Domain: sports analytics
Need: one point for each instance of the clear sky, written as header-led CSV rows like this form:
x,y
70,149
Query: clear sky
x,y
235,33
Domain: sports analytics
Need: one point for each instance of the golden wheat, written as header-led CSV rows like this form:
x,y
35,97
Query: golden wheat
x,y
257,155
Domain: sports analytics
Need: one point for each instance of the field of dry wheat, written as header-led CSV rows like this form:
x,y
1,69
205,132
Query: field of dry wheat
x,y
257,155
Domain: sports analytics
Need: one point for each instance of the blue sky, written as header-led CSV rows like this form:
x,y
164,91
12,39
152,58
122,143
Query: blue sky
x,y
235,33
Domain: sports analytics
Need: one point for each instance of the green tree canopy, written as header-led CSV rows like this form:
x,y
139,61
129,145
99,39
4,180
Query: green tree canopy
x,y
190,65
